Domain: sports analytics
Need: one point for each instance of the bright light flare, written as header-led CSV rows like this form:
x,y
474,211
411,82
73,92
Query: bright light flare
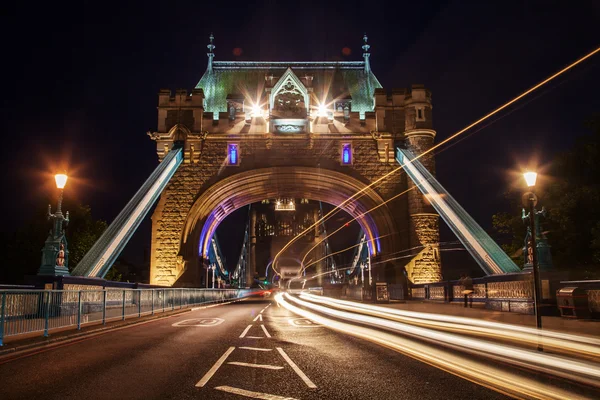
x,y
61,180
257,111
530,178
322,110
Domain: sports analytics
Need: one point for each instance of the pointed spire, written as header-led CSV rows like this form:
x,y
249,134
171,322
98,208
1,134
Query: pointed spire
x,y
210,53
366,54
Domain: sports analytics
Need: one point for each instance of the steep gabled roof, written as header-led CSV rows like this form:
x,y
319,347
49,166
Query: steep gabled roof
x,y
334,79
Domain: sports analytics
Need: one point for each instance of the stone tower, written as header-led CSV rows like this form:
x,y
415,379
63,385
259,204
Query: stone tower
x,y
321,131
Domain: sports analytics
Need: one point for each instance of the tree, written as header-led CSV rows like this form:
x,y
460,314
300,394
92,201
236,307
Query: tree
x,y
572,198
22,249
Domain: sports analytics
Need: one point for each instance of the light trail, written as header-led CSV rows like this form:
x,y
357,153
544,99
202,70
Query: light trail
x,y
506,382
353,220
557,340
490,114
337,252
579,371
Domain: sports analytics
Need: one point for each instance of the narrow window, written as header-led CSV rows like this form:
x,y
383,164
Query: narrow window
x,y
346,154
233,154
420,113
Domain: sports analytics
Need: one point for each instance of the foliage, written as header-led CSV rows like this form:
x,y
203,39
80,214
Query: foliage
x,y
82,232
113,274
23,248
572,198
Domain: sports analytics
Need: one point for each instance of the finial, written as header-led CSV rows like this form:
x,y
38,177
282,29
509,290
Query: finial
x,y
366,54
210,53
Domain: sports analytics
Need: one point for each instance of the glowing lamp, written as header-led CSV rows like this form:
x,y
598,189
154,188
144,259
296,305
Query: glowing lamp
x,y
256,111
322,110
61,180
530,178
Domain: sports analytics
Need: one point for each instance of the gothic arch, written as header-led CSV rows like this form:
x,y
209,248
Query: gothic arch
x,y
288,81
239,190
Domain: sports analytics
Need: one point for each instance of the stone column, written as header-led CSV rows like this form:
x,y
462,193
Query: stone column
x,y
251,263
424,222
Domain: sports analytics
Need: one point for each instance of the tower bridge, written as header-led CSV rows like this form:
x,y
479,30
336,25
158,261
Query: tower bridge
x,y
251,132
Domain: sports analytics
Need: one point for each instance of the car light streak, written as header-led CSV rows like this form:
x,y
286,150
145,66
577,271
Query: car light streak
x,y
435,147
558,340
579,371
502,381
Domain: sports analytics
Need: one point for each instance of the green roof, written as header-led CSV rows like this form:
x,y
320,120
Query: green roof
x,y
337,79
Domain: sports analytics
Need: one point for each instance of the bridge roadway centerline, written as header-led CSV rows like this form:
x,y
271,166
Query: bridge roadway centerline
x,y
157,360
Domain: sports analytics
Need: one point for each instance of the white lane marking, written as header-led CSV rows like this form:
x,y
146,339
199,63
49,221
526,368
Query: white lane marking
x,y
214,368
202,322
259,316
297,370
255,348
255,337
254,395
245,331
265,330
265,366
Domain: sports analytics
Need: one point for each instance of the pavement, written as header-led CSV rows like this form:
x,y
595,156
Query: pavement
x,y
586,327
247,349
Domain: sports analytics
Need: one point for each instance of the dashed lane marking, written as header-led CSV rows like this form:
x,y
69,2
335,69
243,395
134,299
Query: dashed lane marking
x,y
255,348
267,334
259,316
254,395
214,368
245,331
297,370
265,366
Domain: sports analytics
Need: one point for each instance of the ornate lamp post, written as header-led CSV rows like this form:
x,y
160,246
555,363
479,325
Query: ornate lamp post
x,y
55,256
530,200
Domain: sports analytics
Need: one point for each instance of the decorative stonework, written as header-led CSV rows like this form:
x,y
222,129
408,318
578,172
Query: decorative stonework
x,y
215,114
510,290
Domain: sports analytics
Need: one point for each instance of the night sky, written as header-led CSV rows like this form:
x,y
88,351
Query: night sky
x,y
81,81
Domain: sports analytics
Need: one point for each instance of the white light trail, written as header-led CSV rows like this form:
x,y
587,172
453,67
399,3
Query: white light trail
x,y
582,372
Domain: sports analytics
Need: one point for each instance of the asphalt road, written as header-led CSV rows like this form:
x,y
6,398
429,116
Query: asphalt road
x,y
225,353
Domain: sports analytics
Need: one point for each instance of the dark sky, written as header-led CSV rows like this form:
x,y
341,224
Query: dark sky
x,y
81,82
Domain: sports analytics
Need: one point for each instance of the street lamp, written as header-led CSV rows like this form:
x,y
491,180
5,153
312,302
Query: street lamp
x,y
530,200
55,255
213,267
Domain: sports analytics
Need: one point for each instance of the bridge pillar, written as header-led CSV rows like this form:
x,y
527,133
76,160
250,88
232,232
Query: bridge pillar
x,y
251,264
424,222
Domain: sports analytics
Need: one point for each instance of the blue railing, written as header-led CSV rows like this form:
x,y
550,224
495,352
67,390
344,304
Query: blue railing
x,y
30,311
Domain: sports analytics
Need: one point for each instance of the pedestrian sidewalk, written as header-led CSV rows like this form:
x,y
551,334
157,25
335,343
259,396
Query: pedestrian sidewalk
x,y
575,326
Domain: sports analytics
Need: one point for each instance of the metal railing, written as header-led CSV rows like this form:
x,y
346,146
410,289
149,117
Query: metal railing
x,y
29,311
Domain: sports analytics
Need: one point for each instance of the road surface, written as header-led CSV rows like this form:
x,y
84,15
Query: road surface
x,y
246,349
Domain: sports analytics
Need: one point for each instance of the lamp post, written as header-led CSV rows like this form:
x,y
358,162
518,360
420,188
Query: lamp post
x,y
531,199
213,275
55,255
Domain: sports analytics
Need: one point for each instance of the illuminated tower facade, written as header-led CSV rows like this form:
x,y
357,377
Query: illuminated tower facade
x,y
255,131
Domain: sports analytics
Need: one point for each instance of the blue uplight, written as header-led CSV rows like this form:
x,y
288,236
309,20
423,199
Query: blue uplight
x,y
233,154
346,154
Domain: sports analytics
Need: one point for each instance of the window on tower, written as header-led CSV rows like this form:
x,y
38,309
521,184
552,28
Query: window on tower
x,y
346,154
233,154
